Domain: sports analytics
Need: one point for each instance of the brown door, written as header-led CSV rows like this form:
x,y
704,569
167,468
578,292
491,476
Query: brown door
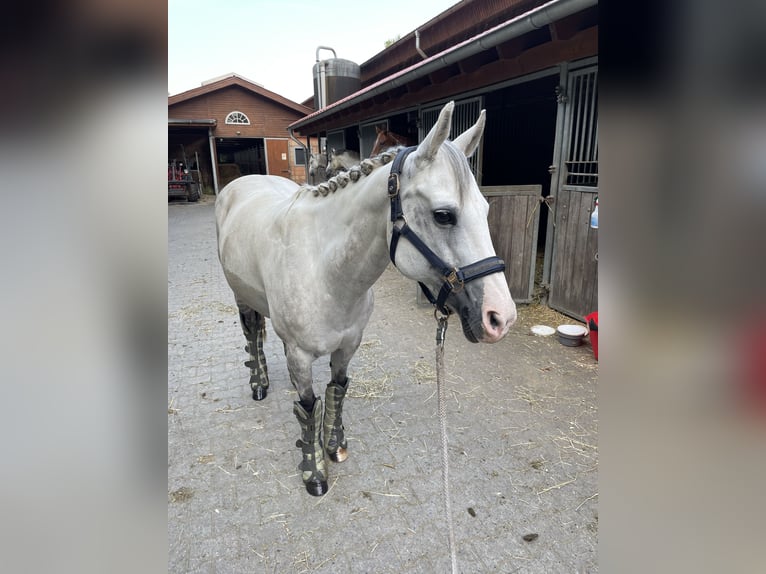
x,y
276,158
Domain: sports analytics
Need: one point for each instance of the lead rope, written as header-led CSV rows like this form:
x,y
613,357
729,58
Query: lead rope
x,y
441,329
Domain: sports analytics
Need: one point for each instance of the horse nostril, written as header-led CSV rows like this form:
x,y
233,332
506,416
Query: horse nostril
x,y
494,320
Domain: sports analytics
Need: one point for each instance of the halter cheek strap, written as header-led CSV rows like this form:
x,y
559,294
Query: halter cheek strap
x,y
454,277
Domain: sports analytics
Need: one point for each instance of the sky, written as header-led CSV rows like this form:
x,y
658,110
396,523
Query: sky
x,y
274,42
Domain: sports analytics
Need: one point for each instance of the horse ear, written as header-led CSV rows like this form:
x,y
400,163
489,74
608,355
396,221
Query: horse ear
x,y
469,140
436,137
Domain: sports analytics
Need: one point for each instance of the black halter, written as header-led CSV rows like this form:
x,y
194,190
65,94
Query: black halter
x,y
453,276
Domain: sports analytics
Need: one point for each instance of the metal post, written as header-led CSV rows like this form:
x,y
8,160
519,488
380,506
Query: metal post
x,y
556,164
214,163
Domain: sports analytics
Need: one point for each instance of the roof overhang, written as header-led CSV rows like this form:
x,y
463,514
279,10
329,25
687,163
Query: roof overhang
x,y
539,17
195,123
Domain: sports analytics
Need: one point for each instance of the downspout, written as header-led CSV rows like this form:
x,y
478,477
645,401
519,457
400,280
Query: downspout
x,y
417,45
213,162
306,152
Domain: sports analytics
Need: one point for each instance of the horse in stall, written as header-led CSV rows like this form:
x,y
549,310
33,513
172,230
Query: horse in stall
x,y
317,168
386,139
343,160
307,258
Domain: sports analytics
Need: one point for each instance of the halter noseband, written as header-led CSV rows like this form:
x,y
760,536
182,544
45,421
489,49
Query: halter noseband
x,y
453,276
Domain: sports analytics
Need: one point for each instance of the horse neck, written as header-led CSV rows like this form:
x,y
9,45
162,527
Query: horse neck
x,y
356,239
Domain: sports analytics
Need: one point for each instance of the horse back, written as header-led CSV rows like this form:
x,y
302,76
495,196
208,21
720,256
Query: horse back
x,y
247,211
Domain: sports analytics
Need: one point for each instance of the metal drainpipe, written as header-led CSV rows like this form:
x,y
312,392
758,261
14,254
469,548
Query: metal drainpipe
x,y
214,163
417,45
306,152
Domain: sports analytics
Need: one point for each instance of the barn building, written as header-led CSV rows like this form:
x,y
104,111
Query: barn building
x,y
231,126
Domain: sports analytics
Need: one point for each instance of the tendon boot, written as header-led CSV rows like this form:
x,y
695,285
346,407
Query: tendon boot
x,y
313,467
254,329
259,372
334,438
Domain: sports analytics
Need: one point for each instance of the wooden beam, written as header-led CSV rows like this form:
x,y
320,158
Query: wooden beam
x,y
443,74
473,63
418,84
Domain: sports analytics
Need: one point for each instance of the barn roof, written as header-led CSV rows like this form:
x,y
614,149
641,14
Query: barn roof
x,y
237,80
387,73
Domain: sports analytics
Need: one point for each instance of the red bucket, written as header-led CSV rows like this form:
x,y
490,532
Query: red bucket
x,y
592,321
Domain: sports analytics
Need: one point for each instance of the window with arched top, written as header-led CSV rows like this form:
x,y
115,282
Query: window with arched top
x,y
237,118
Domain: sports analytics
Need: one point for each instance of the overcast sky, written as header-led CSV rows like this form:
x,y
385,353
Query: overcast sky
x,y
274,42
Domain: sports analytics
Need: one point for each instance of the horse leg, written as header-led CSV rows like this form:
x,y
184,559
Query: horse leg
x,y
254,328
334,435
308,410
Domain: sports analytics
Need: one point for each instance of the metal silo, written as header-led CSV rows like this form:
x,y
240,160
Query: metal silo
x,y
334,79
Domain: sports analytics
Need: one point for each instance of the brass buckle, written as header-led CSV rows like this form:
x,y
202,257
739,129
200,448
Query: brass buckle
x,y
453,280
393,185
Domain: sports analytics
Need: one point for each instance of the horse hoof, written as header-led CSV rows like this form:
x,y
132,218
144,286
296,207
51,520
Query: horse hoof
x,y
317,488
339,456
259,393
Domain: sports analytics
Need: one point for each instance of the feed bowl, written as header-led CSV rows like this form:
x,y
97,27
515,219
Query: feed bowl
x,y
571,335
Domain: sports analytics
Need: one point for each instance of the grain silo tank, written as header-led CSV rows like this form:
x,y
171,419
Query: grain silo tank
x,y
334,79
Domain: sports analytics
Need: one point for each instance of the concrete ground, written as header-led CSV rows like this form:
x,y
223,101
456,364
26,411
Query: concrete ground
x,y
522,418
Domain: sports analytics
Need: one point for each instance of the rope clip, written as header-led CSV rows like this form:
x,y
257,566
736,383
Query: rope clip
x,y
441,327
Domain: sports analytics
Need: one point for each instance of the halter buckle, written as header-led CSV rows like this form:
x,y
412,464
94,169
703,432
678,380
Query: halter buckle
x,y
393,185
453,279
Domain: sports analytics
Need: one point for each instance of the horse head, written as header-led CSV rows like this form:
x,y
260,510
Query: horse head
x,y
338,161
317,168
386,139
442,205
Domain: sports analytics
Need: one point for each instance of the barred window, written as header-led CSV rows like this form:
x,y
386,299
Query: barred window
x,y
236,117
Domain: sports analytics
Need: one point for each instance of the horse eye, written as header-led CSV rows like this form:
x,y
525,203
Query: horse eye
x,y
444,217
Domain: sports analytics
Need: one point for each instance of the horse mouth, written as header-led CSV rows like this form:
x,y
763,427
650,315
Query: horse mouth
x,y
471,325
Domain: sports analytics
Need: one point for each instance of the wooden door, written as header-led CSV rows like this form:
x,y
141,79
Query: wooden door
x,y
574,268
513,220
277,160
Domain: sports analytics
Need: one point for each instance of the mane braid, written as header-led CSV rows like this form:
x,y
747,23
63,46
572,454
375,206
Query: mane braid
x,y
364,168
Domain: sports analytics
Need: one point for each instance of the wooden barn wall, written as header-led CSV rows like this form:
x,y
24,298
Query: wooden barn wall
x,y
513,225
297,172
267,119
575,263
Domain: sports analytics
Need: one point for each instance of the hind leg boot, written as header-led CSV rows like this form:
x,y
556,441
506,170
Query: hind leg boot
x,y
313,464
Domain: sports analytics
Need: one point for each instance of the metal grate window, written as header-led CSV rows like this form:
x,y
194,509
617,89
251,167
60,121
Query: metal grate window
x,y
465,115
582,155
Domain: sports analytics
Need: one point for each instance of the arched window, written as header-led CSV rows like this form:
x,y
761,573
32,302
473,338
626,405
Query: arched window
x,y
237,118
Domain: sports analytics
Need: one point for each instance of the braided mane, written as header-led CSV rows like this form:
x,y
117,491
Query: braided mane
x,y
345,178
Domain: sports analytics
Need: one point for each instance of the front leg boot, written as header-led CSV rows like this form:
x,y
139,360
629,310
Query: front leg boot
x,y
313,465
334,435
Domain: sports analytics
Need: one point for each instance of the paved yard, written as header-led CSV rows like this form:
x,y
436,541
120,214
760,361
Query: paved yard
x,y
522,427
